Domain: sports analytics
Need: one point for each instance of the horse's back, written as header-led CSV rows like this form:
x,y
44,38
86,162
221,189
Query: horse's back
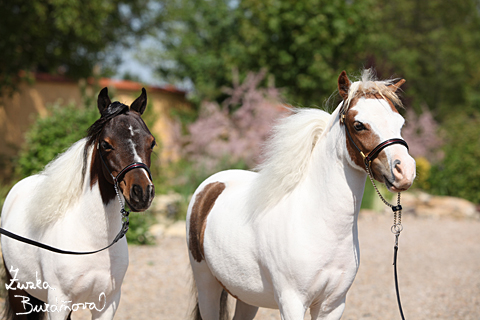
x,y
217,187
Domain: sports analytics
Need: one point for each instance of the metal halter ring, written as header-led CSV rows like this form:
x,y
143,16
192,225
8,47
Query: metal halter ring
x,y
396,228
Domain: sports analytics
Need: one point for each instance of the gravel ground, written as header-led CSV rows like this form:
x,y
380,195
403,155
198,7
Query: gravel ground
x,y
438,265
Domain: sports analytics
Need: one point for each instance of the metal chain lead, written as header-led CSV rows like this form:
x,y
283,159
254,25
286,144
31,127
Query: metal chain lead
x,y
125,212
397,210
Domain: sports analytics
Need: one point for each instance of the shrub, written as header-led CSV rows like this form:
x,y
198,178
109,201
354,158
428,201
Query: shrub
x,y
138,231
234,131
225,136
458,174
423,173
51,135
422,135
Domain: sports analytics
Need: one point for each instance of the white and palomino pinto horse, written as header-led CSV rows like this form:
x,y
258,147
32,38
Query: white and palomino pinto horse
x,y
286,237
73,205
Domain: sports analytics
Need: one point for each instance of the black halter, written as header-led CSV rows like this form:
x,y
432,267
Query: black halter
x,y
124,171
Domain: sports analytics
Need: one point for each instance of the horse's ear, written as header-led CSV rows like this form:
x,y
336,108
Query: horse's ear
x,y
140,103
103,100
343,85
396,85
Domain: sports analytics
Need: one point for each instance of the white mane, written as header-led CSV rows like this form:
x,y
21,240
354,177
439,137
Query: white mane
x,y
287,156
62,185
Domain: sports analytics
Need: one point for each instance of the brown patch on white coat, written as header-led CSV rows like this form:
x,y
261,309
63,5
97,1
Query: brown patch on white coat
x,y
204,202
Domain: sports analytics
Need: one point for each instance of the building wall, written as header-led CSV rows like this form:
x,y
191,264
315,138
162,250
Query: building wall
x,y
17,112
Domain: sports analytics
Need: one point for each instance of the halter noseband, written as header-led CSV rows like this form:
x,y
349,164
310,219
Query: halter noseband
x,y
124,171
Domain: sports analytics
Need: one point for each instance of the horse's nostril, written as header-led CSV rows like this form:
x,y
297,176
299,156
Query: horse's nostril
x,y
151,191
137,192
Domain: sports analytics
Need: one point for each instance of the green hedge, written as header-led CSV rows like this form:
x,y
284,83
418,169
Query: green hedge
x,y
54,134
458,174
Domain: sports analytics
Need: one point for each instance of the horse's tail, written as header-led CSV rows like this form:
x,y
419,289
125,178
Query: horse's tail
x,y
23,303
223,306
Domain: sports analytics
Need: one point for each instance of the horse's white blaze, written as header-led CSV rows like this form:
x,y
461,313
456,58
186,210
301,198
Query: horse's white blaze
x,y
136,157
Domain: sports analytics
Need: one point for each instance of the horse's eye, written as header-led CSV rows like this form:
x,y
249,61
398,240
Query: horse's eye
x,y
358,126
106,146
154,143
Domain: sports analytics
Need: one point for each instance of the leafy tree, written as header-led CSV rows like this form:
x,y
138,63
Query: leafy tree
x,y
304,44
434,45
65,36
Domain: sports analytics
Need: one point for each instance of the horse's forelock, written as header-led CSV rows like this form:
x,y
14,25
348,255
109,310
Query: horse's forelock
x,y
114,109
369,85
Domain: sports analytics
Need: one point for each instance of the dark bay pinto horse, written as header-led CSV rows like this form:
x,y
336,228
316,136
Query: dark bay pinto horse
x,y
72,205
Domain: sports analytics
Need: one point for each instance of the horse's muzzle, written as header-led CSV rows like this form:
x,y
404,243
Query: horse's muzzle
x,y
140,198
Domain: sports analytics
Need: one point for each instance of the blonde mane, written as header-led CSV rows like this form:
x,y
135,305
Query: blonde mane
x,y
369,85
61,187
287,155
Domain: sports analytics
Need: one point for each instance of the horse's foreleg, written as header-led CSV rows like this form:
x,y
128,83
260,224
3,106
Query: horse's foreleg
x,y
244,311
105,308
291,306
59,307
333,312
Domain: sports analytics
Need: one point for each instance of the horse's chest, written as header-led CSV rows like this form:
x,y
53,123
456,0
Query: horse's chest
x,y
102,273
319,272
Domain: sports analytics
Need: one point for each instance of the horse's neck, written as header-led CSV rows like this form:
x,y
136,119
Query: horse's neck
x,y
102,220
332,186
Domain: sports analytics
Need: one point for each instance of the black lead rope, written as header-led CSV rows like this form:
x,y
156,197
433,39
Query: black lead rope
x,y
395,251
53,249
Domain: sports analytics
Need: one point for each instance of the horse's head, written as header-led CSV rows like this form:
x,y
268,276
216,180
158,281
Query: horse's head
x,y
371,119
121,139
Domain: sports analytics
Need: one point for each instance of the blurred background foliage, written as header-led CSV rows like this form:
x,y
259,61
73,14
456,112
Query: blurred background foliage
x,y
66,37
226,52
